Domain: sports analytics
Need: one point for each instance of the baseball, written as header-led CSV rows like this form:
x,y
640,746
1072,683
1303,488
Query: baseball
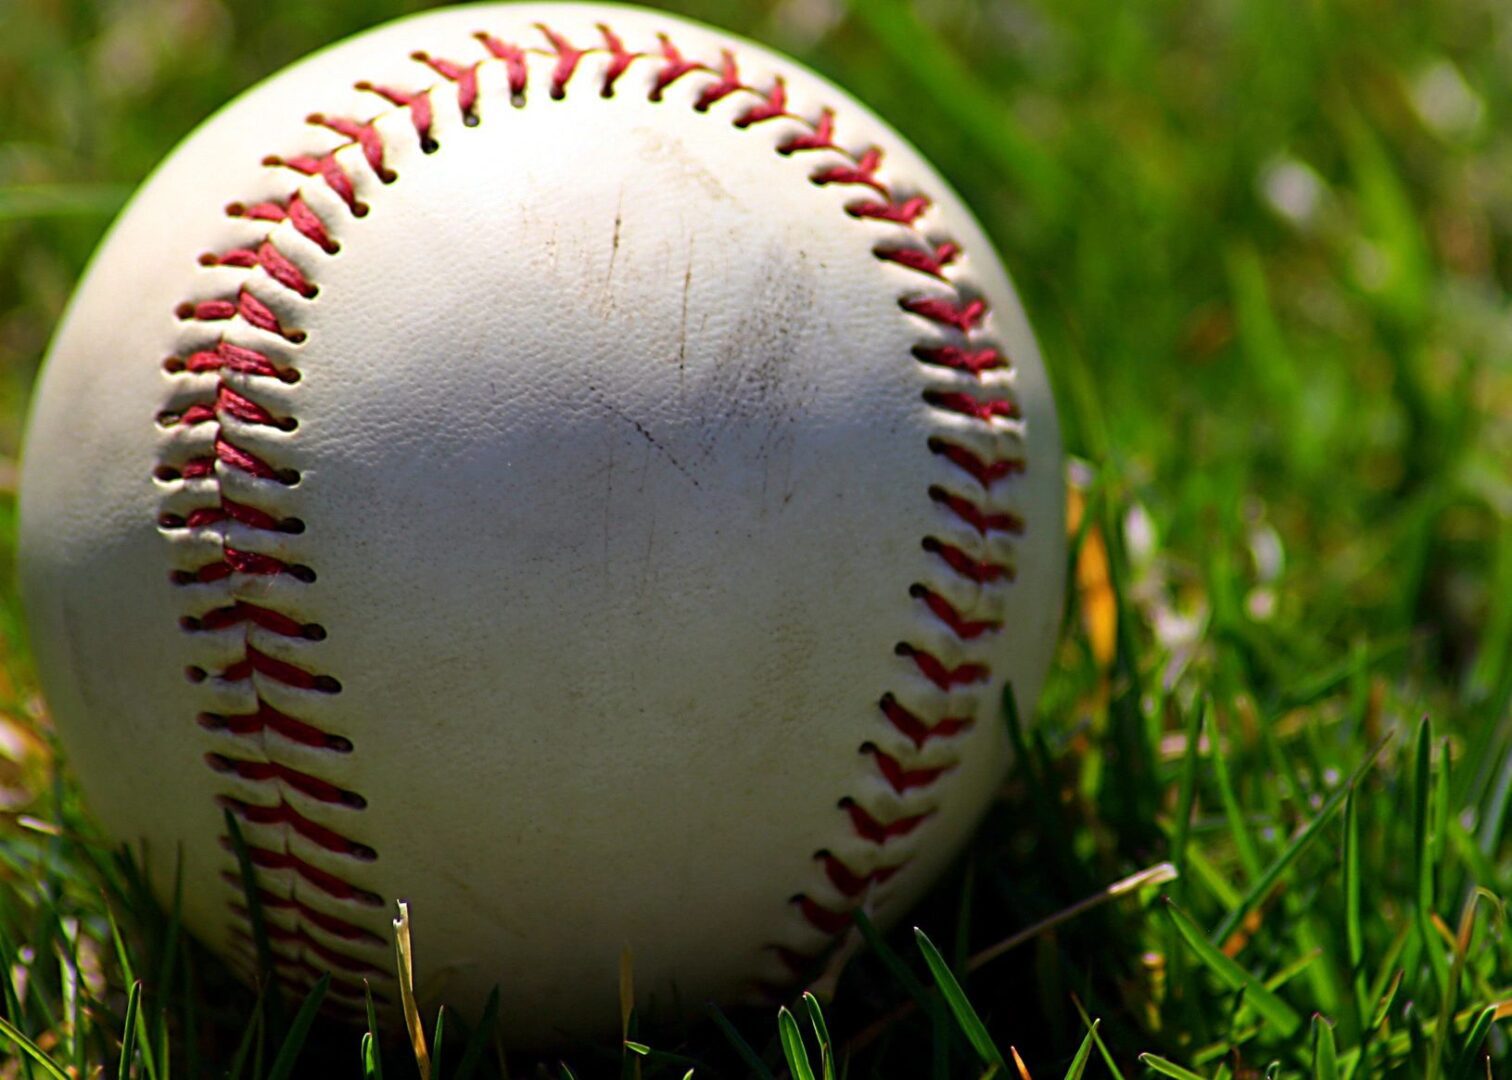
x,y
561,466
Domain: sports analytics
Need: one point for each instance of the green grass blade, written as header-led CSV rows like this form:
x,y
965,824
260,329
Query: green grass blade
x,y
895,964
1097,1039
821,1032
372,1056
252,1036
1083,1054
252,897
1156,1063
477,1042
1272,873
31,1050
1325,1057
792,1045
128,1029
750,1057
1244,842
1265,1003
960,1006
288,1054
372,1068
1470,1052
436,1041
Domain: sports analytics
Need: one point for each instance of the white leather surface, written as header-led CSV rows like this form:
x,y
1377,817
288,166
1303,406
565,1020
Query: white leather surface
x,y
615,472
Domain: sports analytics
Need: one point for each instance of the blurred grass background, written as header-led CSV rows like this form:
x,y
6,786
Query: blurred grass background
x,y
1265,246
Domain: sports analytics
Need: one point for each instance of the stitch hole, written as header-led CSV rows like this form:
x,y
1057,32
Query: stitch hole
x,y
171,521
190,624
301,572
867,747
287,477
291,525
360,209
339,743
173,365
297,337
182,577
606,91
290,376
166,473
168,418
903,648
311,292
918,592
362,853
288,423
195,674
355,801
558,91
235,209
429,145
470,119
326,684
184,311
313,632
211,721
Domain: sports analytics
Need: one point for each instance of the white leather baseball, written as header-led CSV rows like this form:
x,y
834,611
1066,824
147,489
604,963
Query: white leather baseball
x,y
560,465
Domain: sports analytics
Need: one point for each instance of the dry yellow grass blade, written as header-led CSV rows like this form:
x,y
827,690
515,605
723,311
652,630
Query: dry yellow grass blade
x,y
406,967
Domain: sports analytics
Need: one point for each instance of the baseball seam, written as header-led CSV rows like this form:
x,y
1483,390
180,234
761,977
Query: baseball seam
x,y
978,439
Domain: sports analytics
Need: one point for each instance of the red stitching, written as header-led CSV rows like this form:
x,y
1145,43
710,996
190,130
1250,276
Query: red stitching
x,y
942,674
879,832
905,212
729,82
241,611
820,137
823,919
418,104
773,104
917,731
898,776
327,169
282,937
983,521
977,570
364,135
847,881
962,627
267,718
984,471
864,171
326,882
329,923
270,259
567,60
265,772
466,78
513,57
284,814
964,316
984,409
921,259
619,59
296,212
673,68
971,361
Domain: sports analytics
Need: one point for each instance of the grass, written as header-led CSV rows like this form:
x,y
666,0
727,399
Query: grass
x,y
1265,247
